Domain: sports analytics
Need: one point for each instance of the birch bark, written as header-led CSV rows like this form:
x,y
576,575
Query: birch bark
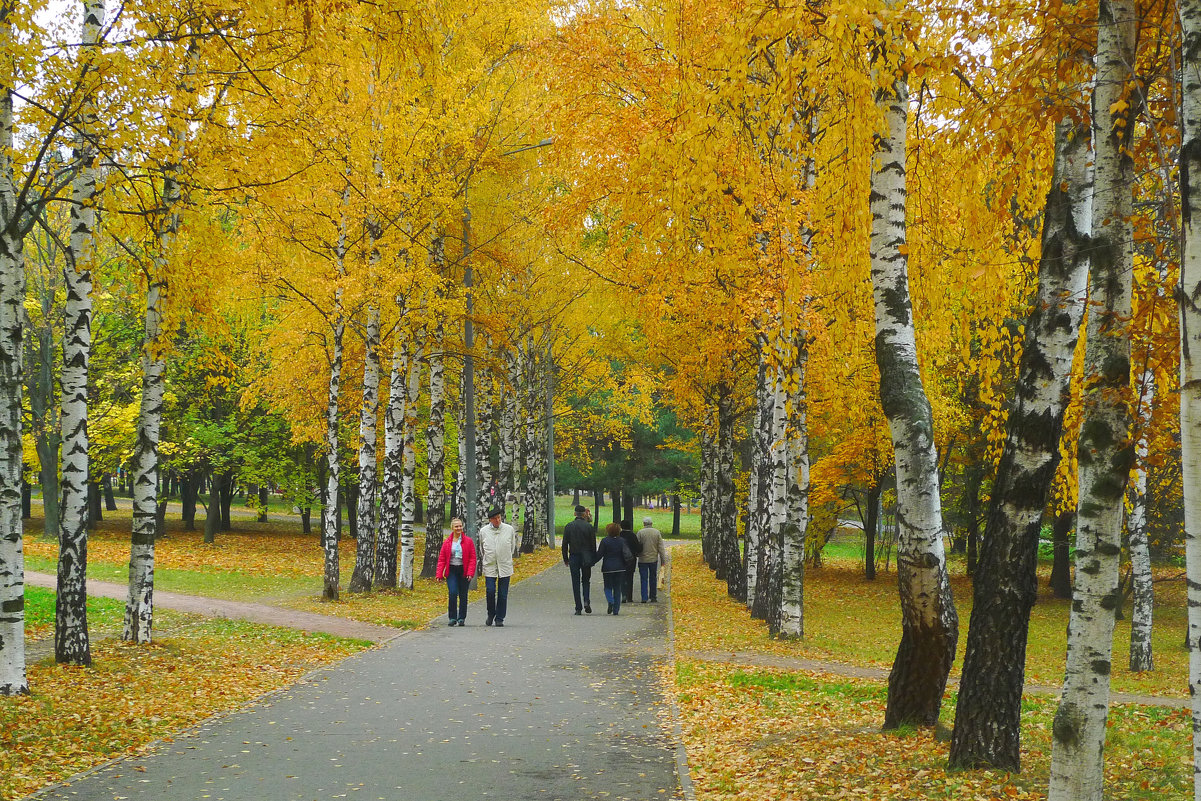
x,y
929,621
1141,618
788,620
13,680
364,562
1189,296
329,513
408,506
394,436
729,561
988,713
435,455
71,644
1105,448
758,501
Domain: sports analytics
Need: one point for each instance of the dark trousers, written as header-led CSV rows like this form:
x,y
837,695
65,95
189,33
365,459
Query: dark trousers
x,y
649,573
613,586
497,591
456,588
628,582
580,566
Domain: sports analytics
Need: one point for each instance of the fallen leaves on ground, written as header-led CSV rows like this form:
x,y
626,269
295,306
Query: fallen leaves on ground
x,y
798,735
76,717
855,621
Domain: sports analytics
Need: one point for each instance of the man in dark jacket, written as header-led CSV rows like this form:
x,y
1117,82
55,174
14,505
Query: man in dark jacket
x,y
579,552
627,534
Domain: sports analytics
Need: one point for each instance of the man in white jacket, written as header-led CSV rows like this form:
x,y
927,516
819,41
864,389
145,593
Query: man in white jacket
x,y
496,542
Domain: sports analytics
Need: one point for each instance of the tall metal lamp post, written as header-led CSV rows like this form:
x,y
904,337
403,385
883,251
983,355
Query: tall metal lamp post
x,y
469,361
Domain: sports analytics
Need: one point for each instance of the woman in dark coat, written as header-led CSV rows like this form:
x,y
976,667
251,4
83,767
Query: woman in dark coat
x,y
613,555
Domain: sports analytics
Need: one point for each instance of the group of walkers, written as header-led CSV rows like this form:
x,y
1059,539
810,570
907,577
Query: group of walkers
x,y
620,553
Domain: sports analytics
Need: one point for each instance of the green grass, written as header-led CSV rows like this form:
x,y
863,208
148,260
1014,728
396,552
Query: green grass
x,y
798,682
103,613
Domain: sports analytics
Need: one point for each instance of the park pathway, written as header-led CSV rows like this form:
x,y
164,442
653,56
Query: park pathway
x,y
552,706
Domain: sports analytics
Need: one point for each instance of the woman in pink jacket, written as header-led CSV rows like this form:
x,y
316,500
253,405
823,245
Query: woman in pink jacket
x,y
456,564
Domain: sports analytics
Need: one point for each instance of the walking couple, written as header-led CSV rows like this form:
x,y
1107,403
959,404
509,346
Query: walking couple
x,y
457,562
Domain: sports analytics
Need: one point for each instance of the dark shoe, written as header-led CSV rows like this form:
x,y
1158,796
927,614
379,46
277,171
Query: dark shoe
x,y
588,609
609,611
488,622
644,600
452,622
462,621
500,624
616,612
579,611
654,600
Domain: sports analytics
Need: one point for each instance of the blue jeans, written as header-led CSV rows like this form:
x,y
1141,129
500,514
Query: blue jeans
x,y
456,587
497,592
649,573
613,588
581,575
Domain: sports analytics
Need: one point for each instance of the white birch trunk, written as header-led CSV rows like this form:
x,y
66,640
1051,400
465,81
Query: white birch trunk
x,y
394,434
483,439
329,515
1141,617
729,563
929,621
776,490
71,644
758,500
13,680
139,608
435,455
989,708
364,563
1190,356
408,504
789,617
1105,449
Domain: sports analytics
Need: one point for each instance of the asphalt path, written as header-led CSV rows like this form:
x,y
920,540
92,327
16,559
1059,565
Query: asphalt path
x,y
551,706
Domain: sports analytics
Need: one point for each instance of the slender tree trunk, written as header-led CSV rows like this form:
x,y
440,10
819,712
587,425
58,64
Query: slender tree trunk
x,y
227,500
871,527
364,563
1136,527
329,513
765,605
727,515
394,434
930,626
675,516
788,617
408,499
1189,296
264,499
1061,563
708,502
435,456
1105,449
758,502
187,492
988,715
13,679
212,518
95,508
106,488
139,608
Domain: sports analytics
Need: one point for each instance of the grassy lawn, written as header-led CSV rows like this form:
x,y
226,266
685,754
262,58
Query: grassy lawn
x,y
850,619
690,522
765,733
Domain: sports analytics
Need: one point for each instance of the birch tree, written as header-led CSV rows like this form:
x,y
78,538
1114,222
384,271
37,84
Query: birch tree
x,y
435,453
929,623
1142,615
364,563
1105,450
70,605
394,436
1189,296
13,680
988,713
408,506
